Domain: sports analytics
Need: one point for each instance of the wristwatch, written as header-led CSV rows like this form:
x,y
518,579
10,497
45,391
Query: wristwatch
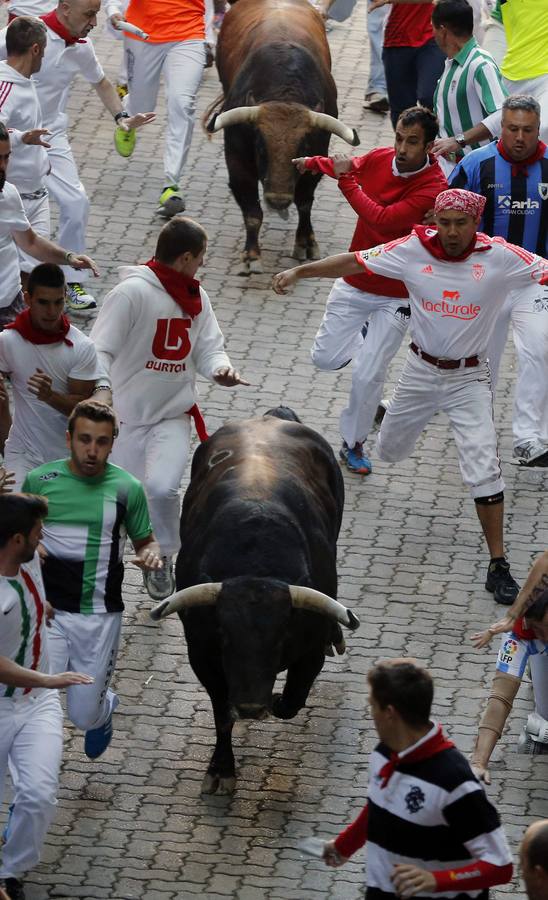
x,y
461,140
121,115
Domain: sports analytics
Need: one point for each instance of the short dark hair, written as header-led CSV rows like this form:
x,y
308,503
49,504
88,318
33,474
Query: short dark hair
x,y
22,33
19,513
521,101
538,609
4,133
456,15
422,116
178,236
46,275
97,412
537,850
405,686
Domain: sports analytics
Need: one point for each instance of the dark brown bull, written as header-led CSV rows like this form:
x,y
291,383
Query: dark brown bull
x,y
280,102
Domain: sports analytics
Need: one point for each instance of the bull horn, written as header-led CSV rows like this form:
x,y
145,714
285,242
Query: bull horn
x,y
196,595
315,601
335,126
236,116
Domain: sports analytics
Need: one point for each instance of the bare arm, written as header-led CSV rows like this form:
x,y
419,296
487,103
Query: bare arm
x,y
47,251
330,267
535,583
111,101
503,692
147,553
473,136
20,677
40,385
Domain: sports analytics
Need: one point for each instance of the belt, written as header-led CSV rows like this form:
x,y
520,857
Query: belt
x,y
446,363
35,195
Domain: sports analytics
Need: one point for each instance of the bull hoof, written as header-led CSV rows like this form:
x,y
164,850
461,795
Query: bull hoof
x,y
313,251
280,710
255,267
223,786
299,252
227,786
210,784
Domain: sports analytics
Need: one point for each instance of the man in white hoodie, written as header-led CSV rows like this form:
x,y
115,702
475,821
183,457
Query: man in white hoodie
x,y
154,333
21,114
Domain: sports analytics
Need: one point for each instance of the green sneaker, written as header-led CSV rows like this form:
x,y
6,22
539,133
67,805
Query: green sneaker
x,y
171,202
125,141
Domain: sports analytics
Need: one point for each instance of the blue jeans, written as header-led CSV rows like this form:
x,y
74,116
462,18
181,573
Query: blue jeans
x,y
411,76
376,21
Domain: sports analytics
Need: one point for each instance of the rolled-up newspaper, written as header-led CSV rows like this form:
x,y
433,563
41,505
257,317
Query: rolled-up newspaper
x,y
122,25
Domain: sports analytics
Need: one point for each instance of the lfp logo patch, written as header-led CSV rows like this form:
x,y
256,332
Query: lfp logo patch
x,y
510,647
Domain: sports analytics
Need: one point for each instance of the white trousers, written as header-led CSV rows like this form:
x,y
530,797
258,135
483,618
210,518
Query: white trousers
x,y
538,88
466,396
65,187
539,675
339,339
182,64
157,455
31,744
20,464
39,217
527,309
89,644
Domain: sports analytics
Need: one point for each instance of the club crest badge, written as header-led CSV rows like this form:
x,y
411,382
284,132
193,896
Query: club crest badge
x,y
478,271
543,190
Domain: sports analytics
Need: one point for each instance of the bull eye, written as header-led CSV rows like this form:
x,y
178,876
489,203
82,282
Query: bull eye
x,y
219,457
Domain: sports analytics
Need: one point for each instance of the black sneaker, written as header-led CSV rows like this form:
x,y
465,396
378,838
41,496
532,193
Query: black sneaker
x,y
500,583
14,889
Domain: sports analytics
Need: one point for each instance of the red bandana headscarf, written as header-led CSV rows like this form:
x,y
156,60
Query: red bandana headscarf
x,y
185,291
23,325
431,747
463,201
53,22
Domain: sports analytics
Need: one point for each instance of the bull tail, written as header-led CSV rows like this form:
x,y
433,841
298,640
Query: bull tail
x,y
212,110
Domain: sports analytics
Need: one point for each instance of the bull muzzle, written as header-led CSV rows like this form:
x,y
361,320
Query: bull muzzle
x,y
301,598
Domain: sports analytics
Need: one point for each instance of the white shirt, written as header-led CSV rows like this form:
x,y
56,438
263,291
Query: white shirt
x,y
12,218
20,111
153,350
30,7
23,632
60,66
38,430
454,305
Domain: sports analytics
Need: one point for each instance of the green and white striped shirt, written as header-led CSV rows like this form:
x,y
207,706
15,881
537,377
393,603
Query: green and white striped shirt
x,y
23,624
470,89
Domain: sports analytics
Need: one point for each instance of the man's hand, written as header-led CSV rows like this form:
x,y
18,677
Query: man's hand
x,y
300,164
50,614
34,136
79,261
116,17
136,121
148,557
7,480
341,164
374,4
481,771
228,377
65,679
483,638
409,880
40,385
332,857
284,280
445,145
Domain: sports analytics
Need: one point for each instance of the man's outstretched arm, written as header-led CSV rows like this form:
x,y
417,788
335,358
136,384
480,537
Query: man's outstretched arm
x,y
330,267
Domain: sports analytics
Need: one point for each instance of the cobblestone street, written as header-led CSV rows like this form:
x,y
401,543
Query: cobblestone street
x,y
411,564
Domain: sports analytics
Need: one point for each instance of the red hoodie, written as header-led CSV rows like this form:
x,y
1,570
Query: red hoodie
x,y
388,206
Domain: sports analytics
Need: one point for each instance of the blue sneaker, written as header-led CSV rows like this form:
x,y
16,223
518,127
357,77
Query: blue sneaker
x,y
98,739
355,459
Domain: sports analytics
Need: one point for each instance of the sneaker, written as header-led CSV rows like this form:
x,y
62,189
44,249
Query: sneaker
x,y
160,583
532,453
122,90
170,203
97,740
14,889
376,102
79,300
355,459
500,583
125,141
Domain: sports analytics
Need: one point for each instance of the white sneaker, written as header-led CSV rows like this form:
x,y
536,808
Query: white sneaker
x,y
160,583
532,453
79,300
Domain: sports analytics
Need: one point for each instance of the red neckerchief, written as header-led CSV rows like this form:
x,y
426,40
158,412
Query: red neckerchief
x,y
430,240
185,291
23,325
53,22
434,745
520,168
